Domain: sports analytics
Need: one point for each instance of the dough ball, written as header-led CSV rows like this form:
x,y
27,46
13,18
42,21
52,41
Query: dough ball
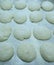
x,y
42,33
20,18
20,5
50,17
34,6
5,17
47,6
35,17
22,33
6,4
26,52
47,52
6,52
5,32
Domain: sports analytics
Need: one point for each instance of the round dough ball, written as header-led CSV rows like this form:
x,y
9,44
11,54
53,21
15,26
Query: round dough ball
x,y
47,6
26,52
35,17
20,18
6,4
50,17
22,33
5,17
5,32
6,52
20,5
34,6
47,52
42,33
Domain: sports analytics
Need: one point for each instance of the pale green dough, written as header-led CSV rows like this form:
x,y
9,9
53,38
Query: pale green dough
x,y
47,52
36,17
20,18
42,33
6,52
33,6
47,6
6,4
5,17
26,52
22,33
5,32
20,5
50,17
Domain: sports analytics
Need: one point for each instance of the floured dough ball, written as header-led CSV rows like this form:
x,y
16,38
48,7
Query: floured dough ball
x,y
50,17
35,17
26,52
22,33
6,52
20,18
47,52
5,17
42,33
6,4
5,32
33,6
47,6
20,5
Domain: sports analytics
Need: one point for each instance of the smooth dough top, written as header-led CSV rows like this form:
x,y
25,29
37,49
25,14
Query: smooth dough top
x,y
42,33
33,6
36,16
47,51
6,4
50,17
5,32
26,52
20,5
47,6
22,33
6,52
